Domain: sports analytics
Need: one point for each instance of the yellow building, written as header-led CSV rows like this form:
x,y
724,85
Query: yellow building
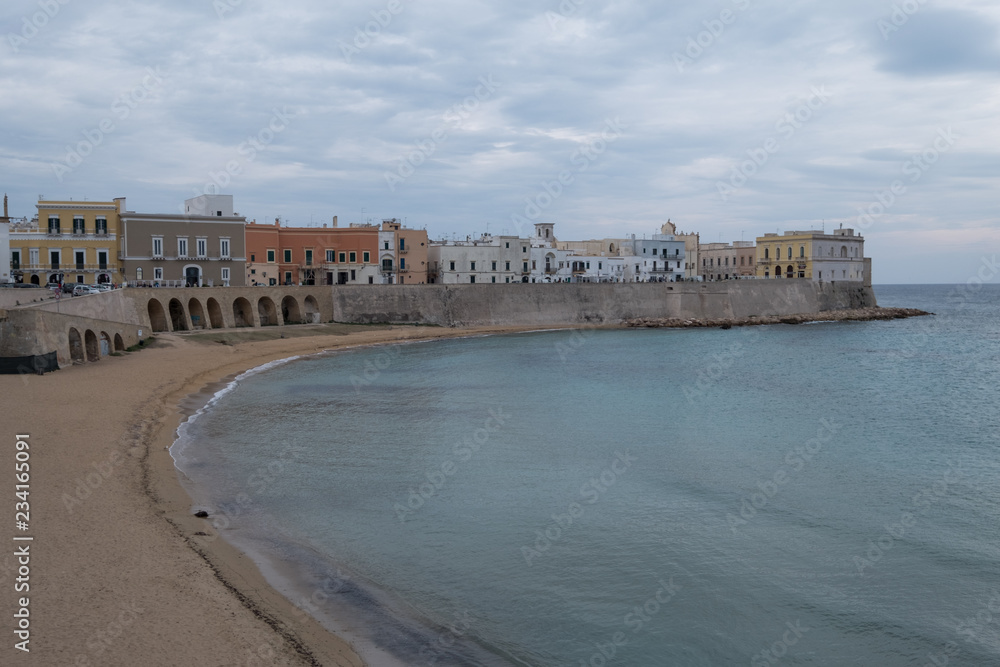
x,y
815,255
68,241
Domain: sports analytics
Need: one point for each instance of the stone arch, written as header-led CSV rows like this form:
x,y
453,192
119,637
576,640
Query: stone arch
x,y
790,271
197,313
34,279
267,312
90,343
178,318
290,310
119,343
242,314
157,317
75,346
215,315
105,344
843,251
312,310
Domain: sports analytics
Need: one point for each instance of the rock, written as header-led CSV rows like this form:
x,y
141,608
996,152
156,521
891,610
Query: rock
x,y
201,514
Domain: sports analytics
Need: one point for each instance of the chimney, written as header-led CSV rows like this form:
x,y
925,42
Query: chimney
x,y
5,215
334,221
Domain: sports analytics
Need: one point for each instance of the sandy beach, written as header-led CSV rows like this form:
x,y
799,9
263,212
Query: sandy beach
x,y
118,574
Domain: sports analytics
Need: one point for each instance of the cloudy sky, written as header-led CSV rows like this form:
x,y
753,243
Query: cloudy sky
x,y
731,118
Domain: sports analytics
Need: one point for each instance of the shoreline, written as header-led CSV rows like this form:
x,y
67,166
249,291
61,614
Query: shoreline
x,y
844,315
304,634
118,576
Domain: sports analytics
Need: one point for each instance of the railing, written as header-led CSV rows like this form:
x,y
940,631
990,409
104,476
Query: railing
x,y
404,250
65,267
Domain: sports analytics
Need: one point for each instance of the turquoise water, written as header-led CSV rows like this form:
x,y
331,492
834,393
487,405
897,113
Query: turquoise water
x,y
821,494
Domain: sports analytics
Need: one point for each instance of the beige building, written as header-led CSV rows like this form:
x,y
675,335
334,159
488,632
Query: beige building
x,y
205,246
727,261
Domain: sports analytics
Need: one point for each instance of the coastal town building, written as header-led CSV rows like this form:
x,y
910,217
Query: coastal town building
x,y
5,258
816,255
727,261
68,241
333,255
204,246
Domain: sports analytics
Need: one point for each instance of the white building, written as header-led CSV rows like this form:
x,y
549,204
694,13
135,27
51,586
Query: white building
x,y
488,259
4,251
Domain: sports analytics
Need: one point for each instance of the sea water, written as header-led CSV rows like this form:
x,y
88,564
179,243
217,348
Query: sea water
x,y
821,494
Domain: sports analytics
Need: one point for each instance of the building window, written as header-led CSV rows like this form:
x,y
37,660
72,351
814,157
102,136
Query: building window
x,y
802,251
15,259
451,266
354,274
329,256
402,244
789,252
507,245
157,247
157,273
288,256
288,277
79,226
102,260
54,225
101,226
402,264
506,266
766,253
225,274
270,257
386,245
354,257
494,267
472,279
224,249
534,264
366,257
387,264
202,246
138,273
182,247
343,258
524,248
472,266
309,257
524,267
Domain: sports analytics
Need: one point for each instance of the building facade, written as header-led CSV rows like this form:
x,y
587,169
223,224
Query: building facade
x,y
68,241
727,261
815,255
205,246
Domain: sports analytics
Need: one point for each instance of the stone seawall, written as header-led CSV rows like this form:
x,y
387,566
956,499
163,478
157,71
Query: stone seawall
x,y
573,304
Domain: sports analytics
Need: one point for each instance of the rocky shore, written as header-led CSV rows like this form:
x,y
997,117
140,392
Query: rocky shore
x,y
853,314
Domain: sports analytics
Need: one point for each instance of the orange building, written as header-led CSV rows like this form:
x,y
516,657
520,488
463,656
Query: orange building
x,y
324,255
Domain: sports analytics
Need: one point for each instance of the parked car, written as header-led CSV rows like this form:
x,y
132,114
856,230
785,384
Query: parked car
x,y
103,287
79,290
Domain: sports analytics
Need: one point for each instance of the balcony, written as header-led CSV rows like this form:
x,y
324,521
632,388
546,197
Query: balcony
x,y
404,250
